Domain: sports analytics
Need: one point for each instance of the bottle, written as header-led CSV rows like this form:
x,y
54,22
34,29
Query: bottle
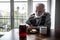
x,y
22,32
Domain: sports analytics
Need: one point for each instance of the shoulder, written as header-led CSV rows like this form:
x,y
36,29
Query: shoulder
x,y
47,14
48,17
31,16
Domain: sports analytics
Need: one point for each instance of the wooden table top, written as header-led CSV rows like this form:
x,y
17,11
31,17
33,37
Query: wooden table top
x,y
14,35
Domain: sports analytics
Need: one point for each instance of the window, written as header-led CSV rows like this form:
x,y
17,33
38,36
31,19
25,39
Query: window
x,y
20,0
4,0
39,0
20,12
5,22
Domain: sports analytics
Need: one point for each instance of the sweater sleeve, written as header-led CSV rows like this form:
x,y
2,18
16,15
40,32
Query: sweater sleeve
x,y
48,21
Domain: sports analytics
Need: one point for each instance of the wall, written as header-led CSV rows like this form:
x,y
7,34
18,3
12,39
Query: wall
x,y
57,15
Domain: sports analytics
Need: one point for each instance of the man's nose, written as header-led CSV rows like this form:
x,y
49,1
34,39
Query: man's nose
x,y
39,11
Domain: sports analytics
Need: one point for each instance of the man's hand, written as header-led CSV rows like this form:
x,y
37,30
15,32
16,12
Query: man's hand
x,y
30,27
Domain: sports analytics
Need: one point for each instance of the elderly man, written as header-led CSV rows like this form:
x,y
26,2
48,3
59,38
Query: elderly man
x,y
40,18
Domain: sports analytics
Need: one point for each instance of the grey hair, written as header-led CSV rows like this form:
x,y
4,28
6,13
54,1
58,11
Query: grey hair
x,y
41,4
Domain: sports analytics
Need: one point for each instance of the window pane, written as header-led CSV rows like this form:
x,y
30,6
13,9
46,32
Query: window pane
x,y
5,24
20,13
4,0
35,3
20,0
39,0
15,23
4,9
5,17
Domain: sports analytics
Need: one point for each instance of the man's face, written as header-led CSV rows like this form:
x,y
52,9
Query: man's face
x,y
39,10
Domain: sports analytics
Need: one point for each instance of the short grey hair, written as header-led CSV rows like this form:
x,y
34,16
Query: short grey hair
x,y
41,4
